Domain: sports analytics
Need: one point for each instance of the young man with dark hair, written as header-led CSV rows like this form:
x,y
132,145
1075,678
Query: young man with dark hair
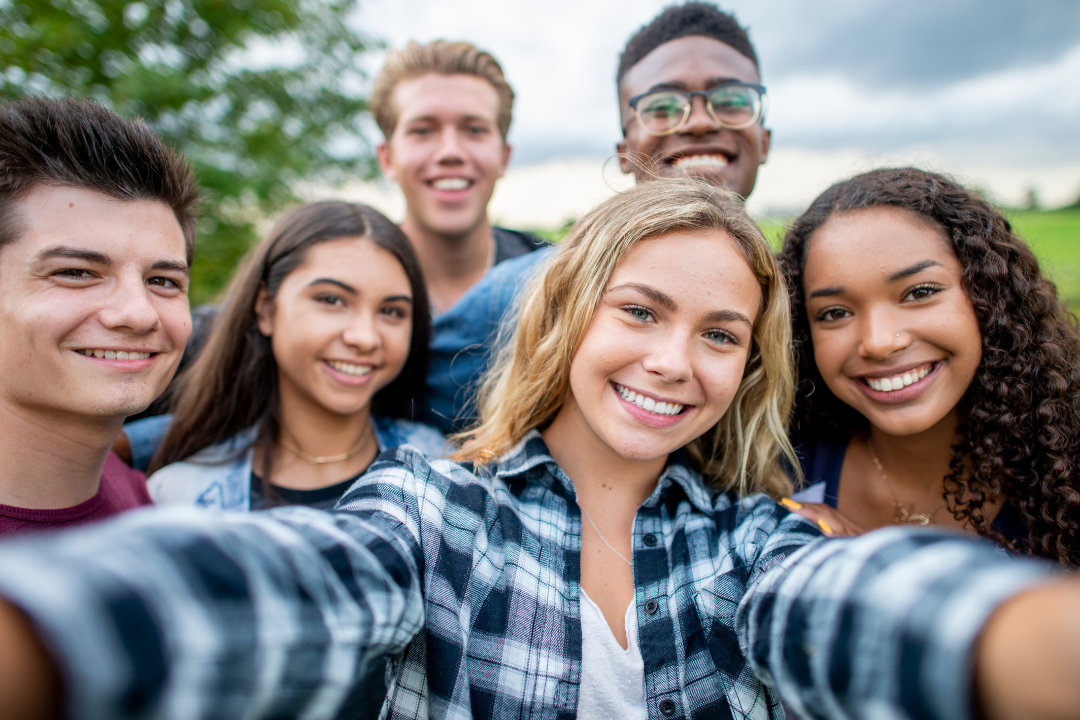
x,y
691,99
96,233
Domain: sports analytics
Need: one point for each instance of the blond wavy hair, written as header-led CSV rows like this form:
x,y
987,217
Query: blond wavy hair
x,y
529,379
439,58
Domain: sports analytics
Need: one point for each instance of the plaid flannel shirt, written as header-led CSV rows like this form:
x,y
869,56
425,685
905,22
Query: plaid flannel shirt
x,y
471,584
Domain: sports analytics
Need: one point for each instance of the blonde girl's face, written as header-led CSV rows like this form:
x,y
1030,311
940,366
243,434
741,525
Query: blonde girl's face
x,y
340,326
665,352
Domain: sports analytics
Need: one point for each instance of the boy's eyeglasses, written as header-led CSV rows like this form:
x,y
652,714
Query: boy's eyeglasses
x,y
734,105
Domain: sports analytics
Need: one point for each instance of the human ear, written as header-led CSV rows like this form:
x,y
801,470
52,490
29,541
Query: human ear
x,y
382,154
264,311
766,138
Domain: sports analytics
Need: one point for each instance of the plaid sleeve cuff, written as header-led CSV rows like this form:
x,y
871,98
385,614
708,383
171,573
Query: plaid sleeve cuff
x,y
880,626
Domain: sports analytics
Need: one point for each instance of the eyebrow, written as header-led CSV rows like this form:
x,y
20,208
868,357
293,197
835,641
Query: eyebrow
x,y
396,298
828,291
344,286
71,253
652,293
171,265
728,316
917,267
680,85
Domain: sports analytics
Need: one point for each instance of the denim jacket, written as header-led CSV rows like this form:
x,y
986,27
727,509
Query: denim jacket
x,y
219,477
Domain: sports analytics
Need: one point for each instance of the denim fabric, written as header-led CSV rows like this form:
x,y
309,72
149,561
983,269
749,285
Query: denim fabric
x,y
462,339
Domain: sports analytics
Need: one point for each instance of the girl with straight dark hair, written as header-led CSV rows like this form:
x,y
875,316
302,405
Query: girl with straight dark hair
x,y
939,372
309,371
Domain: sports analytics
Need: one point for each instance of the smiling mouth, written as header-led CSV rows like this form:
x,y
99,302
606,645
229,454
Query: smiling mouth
x,y
348,368
700,162
900,380
456,183
116,354
648,404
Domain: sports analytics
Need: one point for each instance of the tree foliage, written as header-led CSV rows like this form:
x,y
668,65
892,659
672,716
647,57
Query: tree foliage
x,y
258,94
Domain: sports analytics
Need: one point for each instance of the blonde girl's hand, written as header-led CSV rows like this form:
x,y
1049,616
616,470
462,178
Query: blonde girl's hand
x,y
831,521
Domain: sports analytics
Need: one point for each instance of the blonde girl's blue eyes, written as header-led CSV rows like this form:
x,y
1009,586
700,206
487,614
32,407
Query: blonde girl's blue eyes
x,y
721,337
642,314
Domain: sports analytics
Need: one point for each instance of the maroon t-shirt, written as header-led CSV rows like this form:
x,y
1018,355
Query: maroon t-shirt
x,y
122,488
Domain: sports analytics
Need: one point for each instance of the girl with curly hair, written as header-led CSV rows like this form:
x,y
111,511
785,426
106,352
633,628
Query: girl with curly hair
x,y
939,379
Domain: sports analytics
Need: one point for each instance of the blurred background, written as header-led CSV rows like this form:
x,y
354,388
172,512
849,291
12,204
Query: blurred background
x,y
268,99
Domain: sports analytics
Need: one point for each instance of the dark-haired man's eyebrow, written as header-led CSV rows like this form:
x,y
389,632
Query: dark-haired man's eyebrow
x,y
70,253
653,294
917,267
827,292
171,265
728,316
330,281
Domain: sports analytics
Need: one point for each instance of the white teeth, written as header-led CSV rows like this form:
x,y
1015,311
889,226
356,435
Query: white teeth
x,y
350,368
692,162
115,354
451,183
895,383
647,403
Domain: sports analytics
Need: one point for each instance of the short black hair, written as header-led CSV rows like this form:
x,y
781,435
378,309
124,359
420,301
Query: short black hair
x,y
679,21
77,143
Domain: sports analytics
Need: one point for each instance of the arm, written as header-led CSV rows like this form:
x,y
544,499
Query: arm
x,y
29,681
182,613
888,622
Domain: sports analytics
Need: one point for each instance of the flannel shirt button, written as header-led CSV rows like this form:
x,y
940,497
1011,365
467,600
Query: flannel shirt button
x,y
668,707
650,539
651,606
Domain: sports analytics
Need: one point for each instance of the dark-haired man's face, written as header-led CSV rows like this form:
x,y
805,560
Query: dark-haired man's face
x,y
701,147
93,305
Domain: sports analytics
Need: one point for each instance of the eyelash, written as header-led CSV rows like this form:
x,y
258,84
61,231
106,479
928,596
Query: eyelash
x,y
821,316
933,288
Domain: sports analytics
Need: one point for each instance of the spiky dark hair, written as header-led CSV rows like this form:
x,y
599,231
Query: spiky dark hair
x,y
679,21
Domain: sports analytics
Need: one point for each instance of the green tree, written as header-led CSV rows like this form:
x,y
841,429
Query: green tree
x,y
258,94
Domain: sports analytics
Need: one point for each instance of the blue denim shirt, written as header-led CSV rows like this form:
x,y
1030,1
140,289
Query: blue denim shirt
x,y
463,336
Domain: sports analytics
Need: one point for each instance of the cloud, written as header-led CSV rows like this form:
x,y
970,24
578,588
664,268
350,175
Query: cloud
x,y
923,43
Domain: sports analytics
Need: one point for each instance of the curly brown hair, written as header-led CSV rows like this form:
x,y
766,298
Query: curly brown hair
x,y
1019,433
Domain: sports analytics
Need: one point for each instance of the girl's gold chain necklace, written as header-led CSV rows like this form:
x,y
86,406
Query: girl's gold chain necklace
x,y
901,513
325,459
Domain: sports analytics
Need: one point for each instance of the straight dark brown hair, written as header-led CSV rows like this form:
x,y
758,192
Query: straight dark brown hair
x,y
233,384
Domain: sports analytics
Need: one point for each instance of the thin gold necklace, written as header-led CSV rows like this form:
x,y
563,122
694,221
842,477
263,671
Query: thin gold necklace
x,y
325,459
901,513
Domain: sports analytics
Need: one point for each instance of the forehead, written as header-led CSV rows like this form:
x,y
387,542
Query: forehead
x,y
87,219
868,244
694,62
701,269
445,96
356,260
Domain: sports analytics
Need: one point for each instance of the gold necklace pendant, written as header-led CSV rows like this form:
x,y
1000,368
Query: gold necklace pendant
x,y
902,515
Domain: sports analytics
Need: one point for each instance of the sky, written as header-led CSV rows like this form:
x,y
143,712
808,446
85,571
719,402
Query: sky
x,y
986,90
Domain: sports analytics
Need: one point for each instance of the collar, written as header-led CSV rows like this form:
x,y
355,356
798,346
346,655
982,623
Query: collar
x,y
532,452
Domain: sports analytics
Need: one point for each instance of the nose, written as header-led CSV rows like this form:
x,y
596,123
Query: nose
x,y
700,121
669,358
449,151
361,333
881,336
130,306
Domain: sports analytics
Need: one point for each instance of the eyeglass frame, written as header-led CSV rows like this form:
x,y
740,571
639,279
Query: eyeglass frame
x,y
689,95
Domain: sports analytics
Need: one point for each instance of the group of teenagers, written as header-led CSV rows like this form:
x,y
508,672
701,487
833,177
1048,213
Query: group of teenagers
x,y
630,475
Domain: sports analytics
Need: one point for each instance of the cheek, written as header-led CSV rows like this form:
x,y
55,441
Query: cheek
x,y
397,340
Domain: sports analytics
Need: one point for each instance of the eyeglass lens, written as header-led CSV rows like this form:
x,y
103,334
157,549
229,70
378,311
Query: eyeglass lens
x,y
734,106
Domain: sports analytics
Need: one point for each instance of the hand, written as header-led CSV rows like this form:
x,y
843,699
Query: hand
x,y
1027,662
29,681
831,521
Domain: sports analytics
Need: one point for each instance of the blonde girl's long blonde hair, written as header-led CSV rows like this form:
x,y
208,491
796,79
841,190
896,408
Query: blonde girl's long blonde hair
x,y
529,378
